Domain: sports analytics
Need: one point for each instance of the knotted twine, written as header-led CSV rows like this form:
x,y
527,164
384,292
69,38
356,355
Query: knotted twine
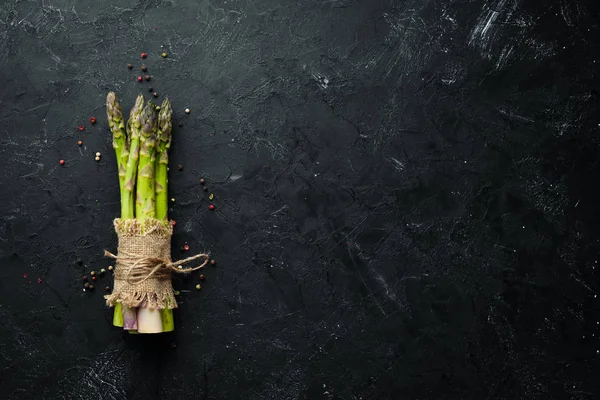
x,y
143,264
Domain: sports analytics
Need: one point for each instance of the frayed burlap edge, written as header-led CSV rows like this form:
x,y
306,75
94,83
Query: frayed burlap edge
x,y
148,227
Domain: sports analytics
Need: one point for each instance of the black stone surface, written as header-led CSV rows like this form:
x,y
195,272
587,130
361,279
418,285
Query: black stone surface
x,y
406,198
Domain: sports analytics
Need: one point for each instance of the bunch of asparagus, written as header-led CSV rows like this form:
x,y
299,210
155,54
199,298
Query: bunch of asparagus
x,y
142,148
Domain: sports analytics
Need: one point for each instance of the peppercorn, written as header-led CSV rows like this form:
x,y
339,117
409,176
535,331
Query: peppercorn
x,y
86,285
140,79
93,273
155,94
212,262
102,271
94,278
110,267
107,288
172,199
98,154
177,293
180,167
84,278
211,207
198,287
205,189
81,127
157,108
92,120
144,68
181,124
179,267
187,110
202,181
97,158
144,55
173,222
62,162
202,277
150,90
91,287
147,77
186,247
211,196
79,142
129,66
164,55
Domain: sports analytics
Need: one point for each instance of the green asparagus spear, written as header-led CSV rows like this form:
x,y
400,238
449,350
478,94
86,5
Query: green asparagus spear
x,y
162,198
120,143
145,206
131,171
162,159
121,146
148,320
130,161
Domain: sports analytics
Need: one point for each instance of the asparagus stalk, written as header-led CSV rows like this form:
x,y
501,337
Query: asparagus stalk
x,y
131,171
120,142
165,127
129,319
122,316
121,146
148,320
140,318
145,206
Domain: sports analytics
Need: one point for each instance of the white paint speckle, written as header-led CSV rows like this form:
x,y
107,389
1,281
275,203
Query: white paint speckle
x,y
321,80
398,165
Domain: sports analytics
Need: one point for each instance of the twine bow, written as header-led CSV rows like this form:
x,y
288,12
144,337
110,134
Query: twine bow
x,y
142,268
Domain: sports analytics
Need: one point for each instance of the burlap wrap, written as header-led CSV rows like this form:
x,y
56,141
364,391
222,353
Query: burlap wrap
x,y
144,266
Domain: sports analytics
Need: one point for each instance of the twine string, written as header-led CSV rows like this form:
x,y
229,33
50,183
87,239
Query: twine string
x,y
140,268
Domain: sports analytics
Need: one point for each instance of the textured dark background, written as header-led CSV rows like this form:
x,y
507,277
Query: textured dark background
x,y
406,197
